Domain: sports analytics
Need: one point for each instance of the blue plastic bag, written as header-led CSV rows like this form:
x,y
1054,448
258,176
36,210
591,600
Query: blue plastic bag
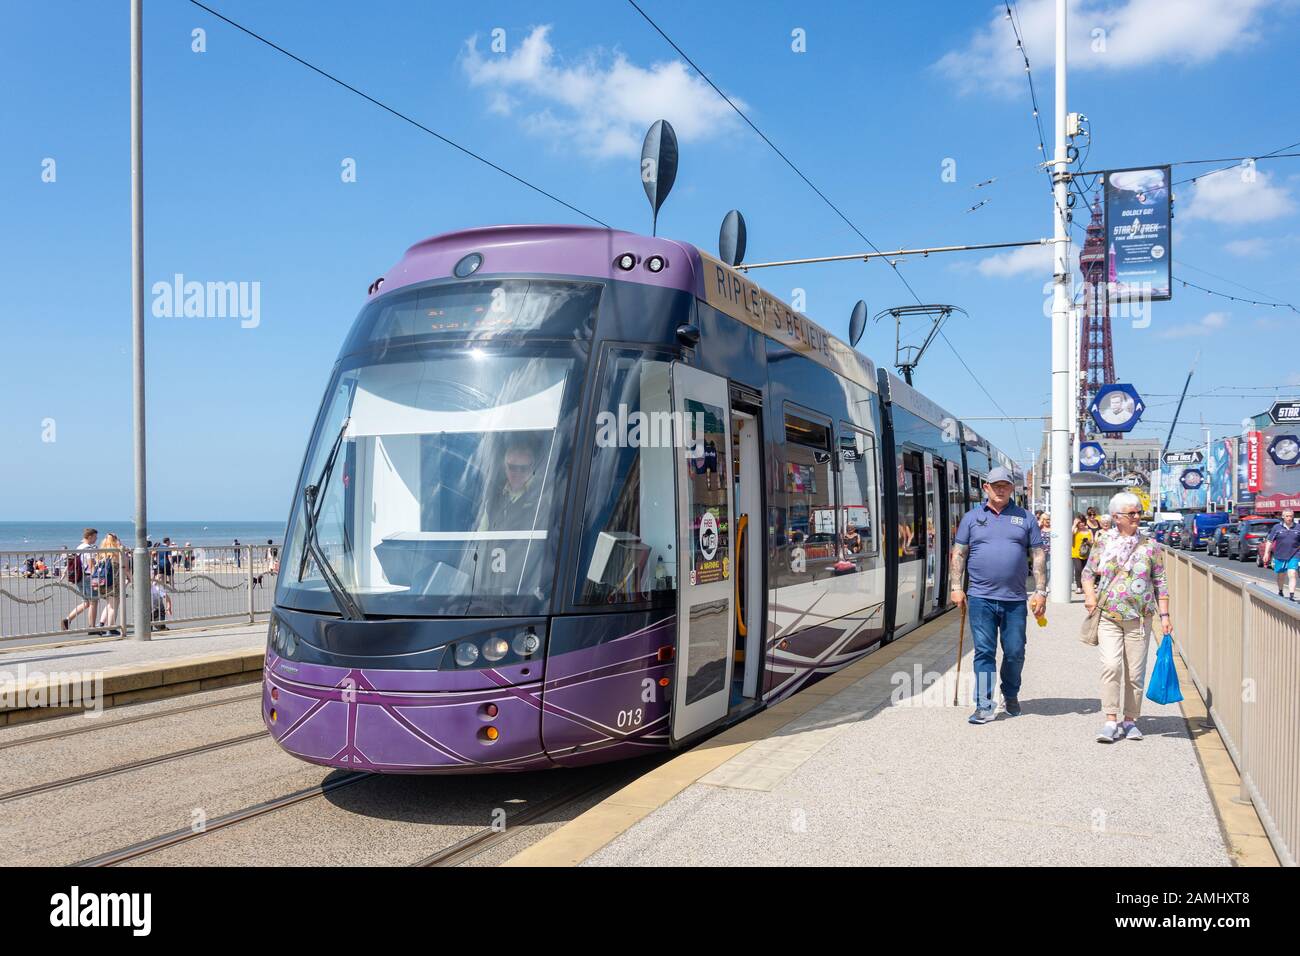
x,y
1163,687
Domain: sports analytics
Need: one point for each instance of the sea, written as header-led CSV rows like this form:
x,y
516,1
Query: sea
x,y
52,535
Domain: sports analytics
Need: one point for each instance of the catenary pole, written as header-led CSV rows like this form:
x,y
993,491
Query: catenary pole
x,y
140,555
1061,301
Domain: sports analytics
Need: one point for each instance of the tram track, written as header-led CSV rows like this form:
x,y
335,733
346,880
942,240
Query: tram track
x,y
175,837
477,843
138,718
454,854
131,766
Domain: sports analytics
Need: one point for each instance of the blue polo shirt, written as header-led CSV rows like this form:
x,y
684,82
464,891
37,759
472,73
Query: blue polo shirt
x,y
999,551
1286,541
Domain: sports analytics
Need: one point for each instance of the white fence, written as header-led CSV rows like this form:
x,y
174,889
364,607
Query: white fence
x,y
1241,644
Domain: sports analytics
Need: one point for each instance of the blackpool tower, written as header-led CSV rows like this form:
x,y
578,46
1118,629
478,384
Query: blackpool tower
x,y
1096,353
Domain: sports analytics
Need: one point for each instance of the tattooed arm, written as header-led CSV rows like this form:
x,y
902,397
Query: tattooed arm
x,y
957,573
1038,557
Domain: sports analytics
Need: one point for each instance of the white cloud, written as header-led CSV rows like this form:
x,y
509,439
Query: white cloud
x,y
1229,198
1248,247
1134,33
600,105
1026,260
1210,323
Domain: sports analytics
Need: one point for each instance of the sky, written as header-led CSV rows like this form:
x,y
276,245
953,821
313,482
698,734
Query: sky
x,y
896,112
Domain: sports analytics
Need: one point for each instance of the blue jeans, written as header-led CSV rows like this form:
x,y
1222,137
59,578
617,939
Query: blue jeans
x,y
987,618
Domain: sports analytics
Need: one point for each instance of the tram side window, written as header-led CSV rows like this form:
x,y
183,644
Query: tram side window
x,y
911,508
629,527
809,476
858,484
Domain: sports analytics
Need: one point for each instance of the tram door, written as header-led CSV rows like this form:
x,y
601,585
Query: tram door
x,y
933,553
706,618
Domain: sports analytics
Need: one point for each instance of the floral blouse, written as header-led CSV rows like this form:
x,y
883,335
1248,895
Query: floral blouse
x,y
1128,593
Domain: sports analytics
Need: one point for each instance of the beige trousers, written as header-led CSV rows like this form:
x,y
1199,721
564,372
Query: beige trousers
x,y
1123,651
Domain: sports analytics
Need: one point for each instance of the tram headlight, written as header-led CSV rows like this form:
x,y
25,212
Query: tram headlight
x,y
656,263
466,654
527,643
626,262
495,648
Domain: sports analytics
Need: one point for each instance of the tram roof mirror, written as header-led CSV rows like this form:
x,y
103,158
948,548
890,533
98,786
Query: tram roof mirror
x,y
857,323
731,238
658,166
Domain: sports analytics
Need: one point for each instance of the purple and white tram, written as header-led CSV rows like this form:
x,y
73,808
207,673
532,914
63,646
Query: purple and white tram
x,y
575,495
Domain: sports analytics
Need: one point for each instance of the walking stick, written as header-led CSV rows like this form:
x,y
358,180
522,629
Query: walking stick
x,y
961,634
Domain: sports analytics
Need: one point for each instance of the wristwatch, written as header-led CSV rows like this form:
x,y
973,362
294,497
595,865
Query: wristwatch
x,y
1040,593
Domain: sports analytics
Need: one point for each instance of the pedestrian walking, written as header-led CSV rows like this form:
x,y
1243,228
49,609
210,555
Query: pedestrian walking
x,y
167,558
80,565
1080,548
237,559
110,576
1283,546
994,542
1125,579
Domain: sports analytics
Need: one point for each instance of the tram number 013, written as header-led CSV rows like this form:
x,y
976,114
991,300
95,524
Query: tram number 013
x,y
631,718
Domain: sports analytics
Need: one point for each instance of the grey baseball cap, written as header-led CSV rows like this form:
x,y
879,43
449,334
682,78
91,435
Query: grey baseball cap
x,y
999,474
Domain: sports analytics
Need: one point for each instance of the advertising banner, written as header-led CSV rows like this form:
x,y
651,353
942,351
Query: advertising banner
x,y
1138,237
1222,468
1254,474
1182,481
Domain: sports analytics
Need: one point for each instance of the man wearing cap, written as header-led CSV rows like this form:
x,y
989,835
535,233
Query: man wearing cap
x,y
994,542
1283,546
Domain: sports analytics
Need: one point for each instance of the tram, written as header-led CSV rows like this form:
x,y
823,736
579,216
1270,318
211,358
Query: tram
x,y
576,495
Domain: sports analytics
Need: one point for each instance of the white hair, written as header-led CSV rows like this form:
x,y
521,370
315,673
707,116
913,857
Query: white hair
x,y
1124,501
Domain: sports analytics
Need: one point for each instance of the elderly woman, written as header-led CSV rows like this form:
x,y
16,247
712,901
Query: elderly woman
x,y
1125,575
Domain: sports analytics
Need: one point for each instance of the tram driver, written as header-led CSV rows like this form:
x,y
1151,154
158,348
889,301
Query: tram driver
x,y
513,507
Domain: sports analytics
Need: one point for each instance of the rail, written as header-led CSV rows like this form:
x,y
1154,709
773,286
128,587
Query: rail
x,y
1241,645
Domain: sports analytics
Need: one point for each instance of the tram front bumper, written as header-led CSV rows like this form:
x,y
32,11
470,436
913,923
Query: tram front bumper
x,y
402,721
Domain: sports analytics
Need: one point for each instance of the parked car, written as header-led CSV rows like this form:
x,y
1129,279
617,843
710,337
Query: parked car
x,y
1197,528
1247,540
1219,542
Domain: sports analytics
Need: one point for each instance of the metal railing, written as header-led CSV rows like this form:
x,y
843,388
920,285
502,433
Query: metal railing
x,y
1241,645
41,589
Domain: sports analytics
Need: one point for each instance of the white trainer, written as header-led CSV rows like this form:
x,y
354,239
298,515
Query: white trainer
x,y
1110,733
1131,731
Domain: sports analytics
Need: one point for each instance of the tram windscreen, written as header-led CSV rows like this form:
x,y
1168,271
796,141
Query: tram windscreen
x,y
444,494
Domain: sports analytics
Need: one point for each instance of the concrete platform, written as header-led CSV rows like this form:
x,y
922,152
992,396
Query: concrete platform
x,y
875,766
46,680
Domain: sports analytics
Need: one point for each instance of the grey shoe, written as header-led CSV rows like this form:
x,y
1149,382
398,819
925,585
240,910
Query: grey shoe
x,y
1110,733
982,716
1130,730
1012,706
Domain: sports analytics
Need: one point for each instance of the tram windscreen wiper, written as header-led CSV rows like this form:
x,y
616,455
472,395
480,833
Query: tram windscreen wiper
x,y
311,511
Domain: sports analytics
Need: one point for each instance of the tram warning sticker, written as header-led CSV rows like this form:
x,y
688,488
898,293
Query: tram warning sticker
x,y
710,561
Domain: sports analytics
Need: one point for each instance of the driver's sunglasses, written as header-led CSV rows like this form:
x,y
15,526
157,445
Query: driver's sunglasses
x,y
518,469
